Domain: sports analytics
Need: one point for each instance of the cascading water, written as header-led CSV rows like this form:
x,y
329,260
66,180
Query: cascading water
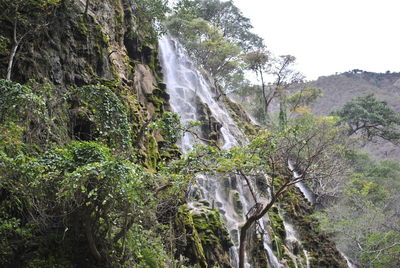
x,y
293,241
188,89
308,194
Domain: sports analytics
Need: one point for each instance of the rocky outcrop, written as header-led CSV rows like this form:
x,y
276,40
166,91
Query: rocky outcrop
x,y
204,239
102,47
321,248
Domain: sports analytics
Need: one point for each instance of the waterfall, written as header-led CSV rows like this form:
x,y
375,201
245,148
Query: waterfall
x,y
292,240
308,194
189,90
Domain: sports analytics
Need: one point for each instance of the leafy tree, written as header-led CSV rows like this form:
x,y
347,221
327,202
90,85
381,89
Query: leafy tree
x,y
227,17
371,118
365,223
282,73
300,101
365,217
206,44
215,33
257,62
150,14
309,143
90,200
224,15
24,18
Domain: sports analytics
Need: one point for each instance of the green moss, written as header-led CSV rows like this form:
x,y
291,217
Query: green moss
x,y
277,246
322,251
152,153
258,256
240,117
158,98
209,236
289,260
102,36
193,248
211,228
81,26
237,203
277,222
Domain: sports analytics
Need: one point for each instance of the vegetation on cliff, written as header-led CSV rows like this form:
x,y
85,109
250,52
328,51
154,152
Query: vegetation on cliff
x,y
90,174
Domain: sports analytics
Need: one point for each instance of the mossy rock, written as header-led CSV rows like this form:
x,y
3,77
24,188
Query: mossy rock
x,y
209,237
321,248
190,243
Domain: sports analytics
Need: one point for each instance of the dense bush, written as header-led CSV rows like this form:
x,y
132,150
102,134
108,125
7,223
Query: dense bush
x,y
77,195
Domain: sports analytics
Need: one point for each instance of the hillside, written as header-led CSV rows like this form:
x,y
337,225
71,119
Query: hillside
x,y
340,88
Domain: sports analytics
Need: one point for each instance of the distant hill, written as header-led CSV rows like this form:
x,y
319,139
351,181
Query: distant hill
x,y
340,88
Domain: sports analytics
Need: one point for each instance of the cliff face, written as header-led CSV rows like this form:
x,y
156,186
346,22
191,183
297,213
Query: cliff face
x,y
103,47
76,48
76,151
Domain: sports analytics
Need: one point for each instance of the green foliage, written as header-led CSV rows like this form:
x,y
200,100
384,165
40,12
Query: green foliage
x,y
256,60
206,44
371,118
364,219
169,126
149,16
223,15
299,101
103,108
34,110
384,249
214,33
4,43
60,193
15,100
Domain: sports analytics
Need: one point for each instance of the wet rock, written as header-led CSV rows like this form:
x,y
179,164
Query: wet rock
x,y
209,241
235,200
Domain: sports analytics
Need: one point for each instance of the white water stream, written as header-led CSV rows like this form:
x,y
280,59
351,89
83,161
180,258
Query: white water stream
x,y
189,90
308,194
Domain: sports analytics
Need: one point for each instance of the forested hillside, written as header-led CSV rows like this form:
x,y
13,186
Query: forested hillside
x,y
338,89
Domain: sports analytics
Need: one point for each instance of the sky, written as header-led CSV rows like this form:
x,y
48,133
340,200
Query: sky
x,y
329,36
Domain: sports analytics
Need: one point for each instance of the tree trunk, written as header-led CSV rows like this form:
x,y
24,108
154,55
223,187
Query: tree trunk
x,y
87,7
11,60
252,219
264,95
91,241
14,49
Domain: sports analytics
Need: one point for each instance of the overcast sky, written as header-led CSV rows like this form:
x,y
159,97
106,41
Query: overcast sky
x,y
329,36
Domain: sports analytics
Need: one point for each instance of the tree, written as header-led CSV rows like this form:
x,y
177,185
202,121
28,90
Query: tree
x,y
224,15
282,73
24,17
371,118
300,101
365,217
150,14
309,143
236,27
371,237
257,62
215,34
207,46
